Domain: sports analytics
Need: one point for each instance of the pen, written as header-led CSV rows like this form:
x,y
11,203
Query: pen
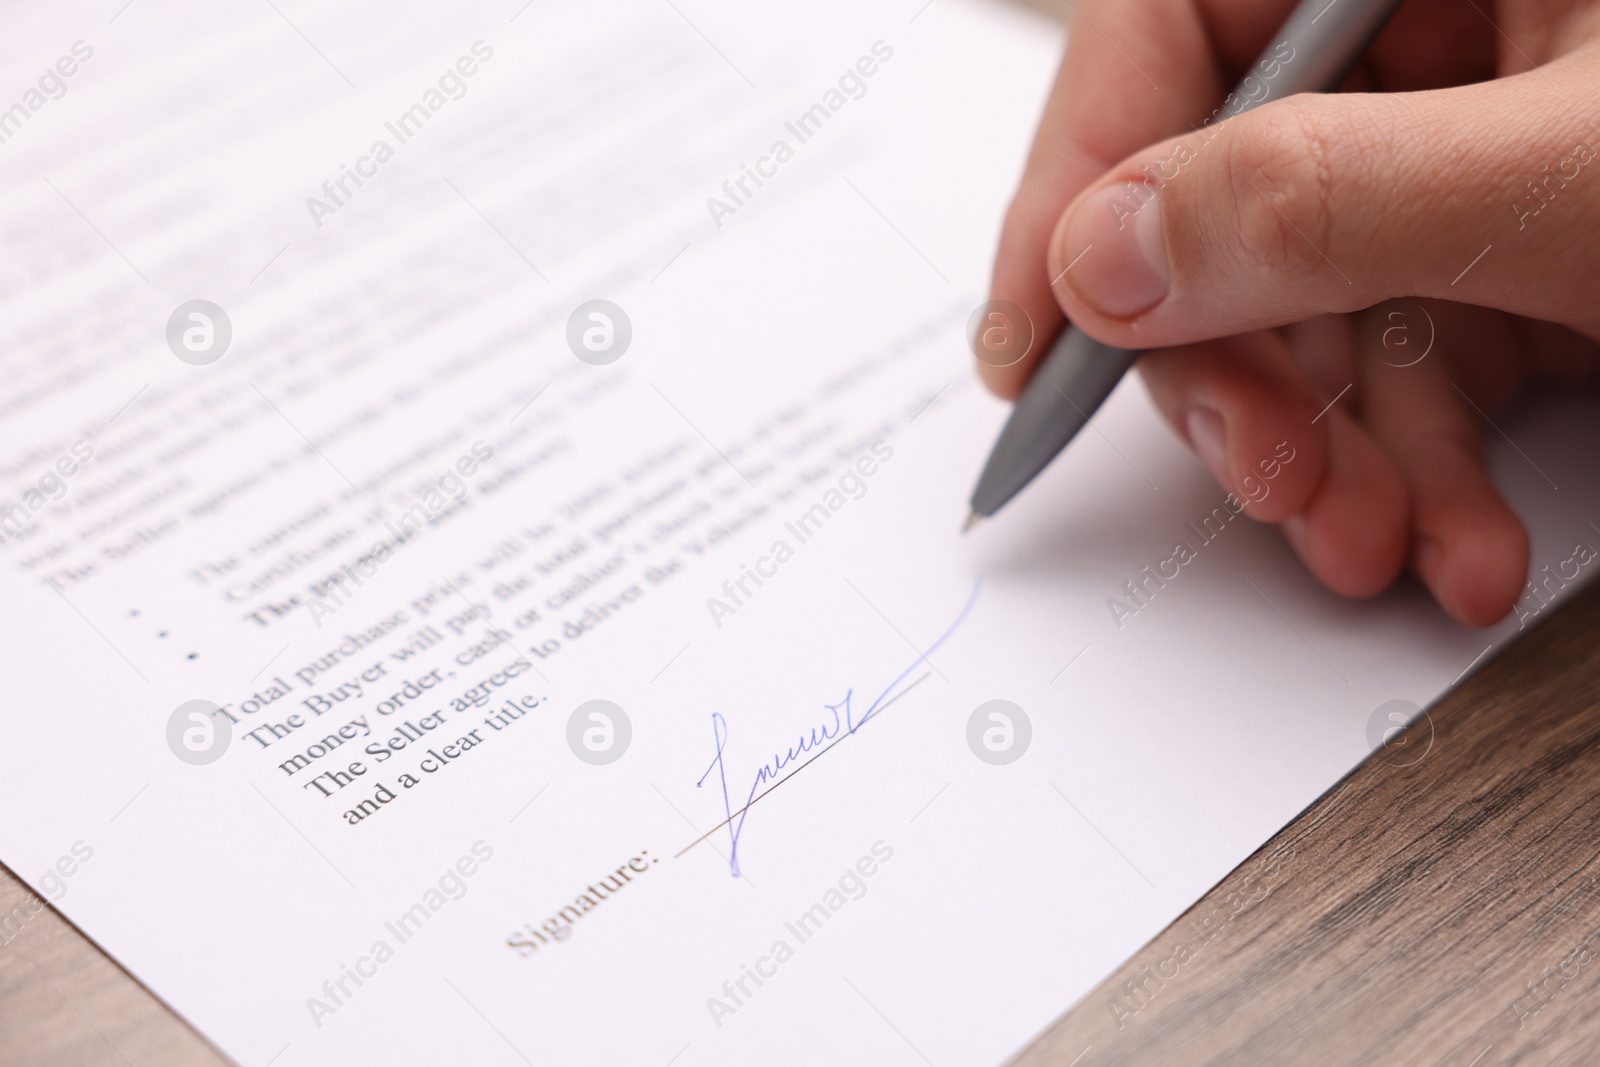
x,y
1313,52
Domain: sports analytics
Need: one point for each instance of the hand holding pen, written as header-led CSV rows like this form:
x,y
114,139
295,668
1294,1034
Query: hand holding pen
x,y
1367,274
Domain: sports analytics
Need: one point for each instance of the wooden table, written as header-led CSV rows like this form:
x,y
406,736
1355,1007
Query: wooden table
x,y
1438,906
1436,911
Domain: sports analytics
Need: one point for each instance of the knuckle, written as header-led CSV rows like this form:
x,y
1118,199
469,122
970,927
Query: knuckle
x,y
1278,169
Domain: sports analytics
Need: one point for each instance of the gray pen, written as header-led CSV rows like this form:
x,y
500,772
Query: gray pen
x,y
1313,53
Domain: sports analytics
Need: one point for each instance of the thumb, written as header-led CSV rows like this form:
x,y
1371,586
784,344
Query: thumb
x,y
1481,194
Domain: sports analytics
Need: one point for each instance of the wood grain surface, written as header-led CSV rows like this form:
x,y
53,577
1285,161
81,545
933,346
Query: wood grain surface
x,y
1438,906
1433,911
64,1003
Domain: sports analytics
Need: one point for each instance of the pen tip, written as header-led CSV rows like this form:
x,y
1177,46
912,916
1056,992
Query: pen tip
x,y
973,518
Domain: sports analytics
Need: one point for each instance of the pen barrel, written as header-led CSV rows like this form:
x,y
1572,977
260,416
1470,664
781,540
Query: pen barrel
x,y
1323,40
1069,384
1313,52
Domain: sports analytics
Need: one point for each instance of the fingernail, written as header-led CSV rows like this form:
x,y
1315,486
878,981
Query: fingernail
x,y
1123,266
1208,434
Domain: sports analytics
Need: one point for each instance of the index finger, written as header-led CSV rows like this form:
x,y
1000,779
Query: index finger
x,y
1135,72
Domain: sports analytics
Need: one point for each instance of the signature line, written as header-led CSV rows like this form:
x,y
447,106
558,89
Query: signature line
x,y
883,701
819,754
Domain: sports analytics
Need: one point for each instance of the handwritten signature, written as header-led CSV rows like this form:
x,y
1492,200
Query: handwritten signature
x,y
840,723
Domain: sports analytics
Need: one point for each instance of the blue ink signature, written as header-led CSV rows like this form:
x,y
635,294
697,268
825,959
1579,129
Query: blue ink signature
x,y
840,723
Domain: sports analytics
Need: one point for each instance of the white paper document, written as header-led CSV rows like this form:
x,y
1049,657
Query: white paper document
x,y
540,433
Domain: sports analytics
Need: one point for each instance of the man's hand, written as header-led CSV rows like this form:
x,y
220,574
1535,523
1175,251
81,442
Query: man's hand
x,y
1253,258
